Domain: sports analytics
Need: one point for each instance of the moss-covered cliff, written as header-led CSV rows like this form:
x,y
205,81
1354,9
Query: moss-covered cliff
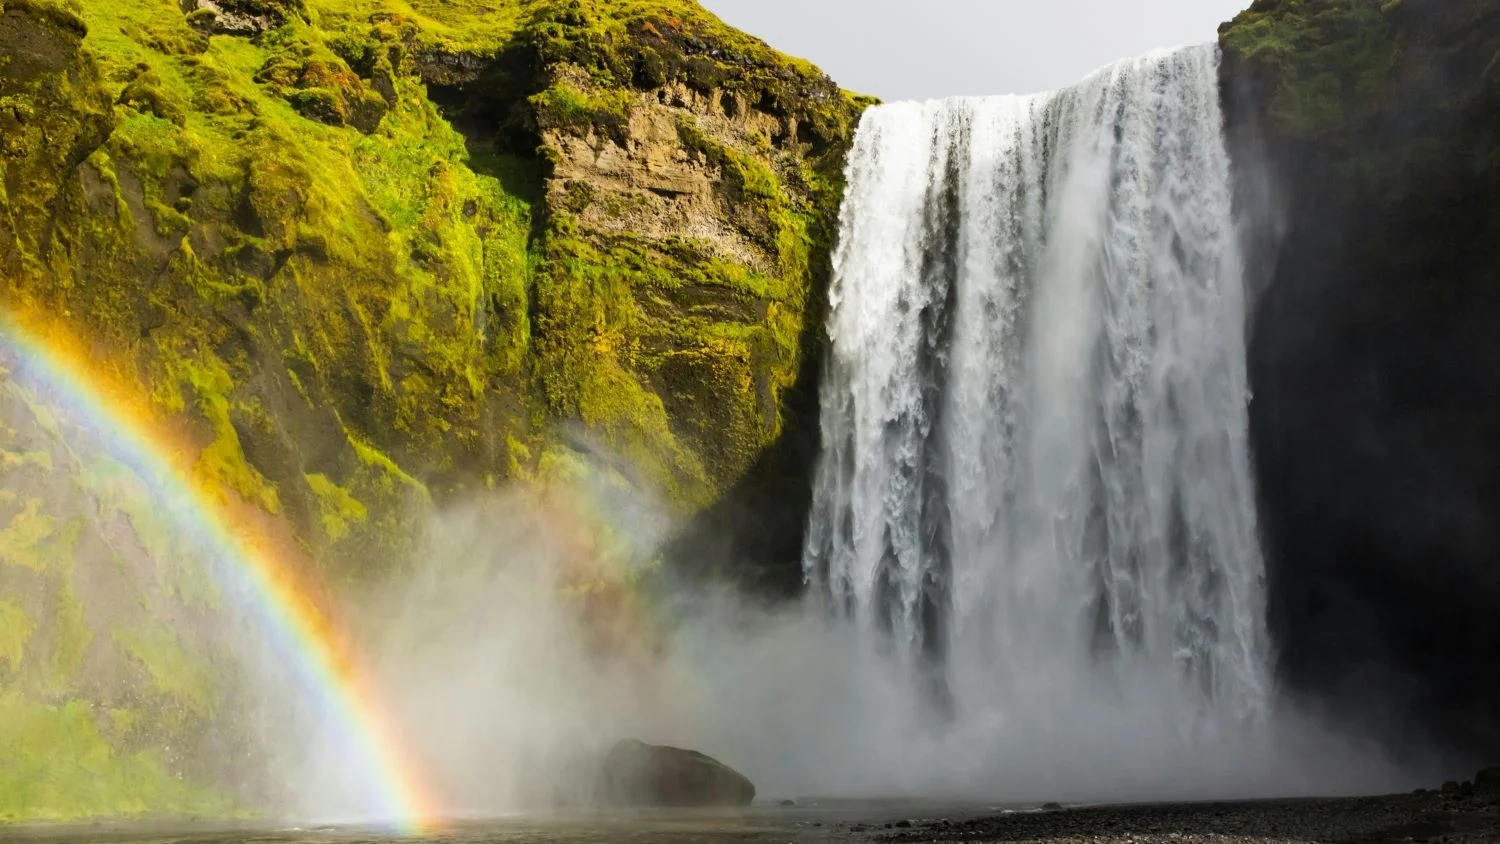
x,y
367,255
1366,135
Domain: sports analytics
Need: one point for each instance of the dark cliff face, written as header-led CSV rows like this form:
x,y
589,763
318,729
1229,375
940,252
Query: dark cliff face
x,y
1366,137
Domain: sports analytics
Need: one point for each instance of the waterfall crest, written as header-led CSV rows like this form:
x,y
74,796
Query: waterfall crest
x,y
1035,483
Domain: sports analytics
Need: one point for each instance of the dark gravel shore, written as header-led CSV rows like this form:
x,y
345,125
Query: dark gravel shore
x,y
1462,813
1423,817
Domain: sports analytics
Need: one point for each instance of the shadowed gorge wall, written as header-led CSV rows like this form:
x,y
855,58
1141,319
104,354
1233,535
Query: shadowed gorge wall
x,y
368,257
1367,140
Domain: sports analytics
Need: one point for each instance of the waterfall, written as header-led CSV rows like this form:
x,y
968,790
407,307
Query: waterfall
x,y
1035,484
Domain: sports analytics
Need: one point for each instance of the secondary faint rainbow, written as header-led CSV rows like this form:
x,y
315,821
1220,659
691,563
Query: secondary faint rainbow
x,y
246,562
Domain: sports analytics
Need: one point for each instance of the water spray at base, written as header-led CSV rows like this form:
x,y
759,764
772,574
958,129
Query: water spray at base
x,y
1033,555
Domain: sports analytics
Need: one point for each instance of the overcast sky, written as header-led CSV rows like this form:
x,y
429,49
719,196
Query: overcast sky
x,y
915,49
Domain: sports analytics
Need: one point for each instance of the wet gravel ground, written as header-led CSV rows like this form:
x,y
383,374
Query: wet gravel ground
x,y
1407,818
1453,817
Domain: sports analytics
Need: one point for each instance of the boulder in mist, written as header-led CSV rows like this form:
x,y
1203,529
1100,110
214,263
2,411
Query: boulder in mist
x,y
638,774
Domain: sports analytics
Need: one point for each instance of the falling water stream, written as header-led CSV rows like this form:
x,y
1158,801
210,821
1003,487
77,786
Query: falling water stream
x,y
1035,482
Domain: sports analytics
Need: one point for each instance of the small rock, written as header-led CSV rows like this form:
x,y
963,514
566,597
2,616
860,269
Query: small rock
x,y
228,17
787,803
1051,807
903,824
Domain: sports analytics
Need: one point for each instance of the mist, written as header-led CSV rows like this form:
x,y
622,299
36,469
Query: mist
x,y
535,626
542,627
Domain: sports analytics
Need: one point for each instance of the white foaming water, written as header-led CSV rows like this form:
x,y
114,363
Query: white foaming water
x,y
1035,485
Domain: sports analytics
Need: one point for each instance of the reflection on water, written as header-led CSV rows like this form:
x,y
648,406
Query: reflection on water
x,y
809,822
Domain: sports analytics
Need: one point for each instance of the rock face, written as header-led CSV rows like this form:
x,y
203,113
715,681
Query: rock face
x,y
691,214
643,775
1487,783
1367,140
359,259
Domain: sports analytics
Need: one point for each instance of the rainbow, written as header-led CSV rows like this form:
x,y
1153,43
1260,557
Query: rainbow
x,y
280,597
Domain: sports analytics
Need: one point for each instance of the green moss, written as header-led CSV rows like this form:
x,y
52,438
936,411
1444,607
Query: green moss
x,y
615,41
1379,95
119,492
338,511
50,653
16,628
317,82
35,540
65,14
563,106
148,94
222,465
392,477
71,637
1313,46
602,29
406,262
177,674
58,766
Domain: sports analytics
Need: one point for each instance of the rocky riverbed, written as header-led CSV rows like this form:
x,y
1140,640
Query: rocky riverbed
x,y
1455,815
